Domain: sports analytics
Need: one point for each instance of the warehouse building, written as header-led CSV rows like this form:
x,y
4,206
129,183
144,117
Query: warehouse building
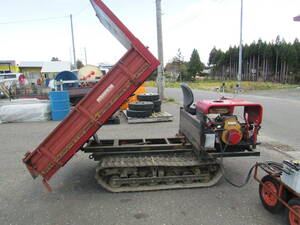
x,y
8,66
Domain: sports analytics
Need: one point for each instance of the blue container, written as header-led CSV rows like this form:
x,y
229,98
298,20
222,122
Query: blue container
x,y
60,104
64,76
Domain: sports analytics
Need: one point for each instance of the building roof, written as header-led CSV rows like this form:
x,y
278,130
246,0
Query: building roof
x,y
56,66
7,62
31,64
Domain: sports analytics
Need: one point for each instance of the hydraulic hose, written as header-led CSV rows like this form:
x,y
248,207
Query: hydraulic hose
x,y
273,167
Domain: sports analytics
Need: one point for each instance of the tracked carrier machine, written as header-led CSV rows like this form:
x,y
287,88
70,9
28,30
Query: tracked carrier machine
x,y
209,129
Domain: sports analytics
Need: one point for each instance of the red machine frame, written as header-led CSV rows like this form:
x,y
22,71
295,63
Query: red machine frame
x,y
98,105
252,111
280,190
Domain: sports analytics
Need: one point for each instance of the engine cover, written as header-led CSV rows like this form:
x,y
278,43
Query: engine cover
x,y
232,133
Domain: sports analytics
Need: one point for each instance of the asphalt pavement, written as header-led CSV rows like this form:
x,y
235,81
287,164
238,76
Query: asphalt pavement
x,y
78,199
281,123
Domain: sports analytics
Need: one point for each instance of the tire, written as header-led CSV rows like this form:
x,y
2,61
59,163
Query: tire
x,y
138,114
157,106
149,97
157,109
290,217
113,120
157,103
141,106
269,201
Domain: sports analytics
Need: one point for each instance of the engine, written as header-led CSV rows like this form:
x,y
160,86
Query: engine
x,y
224,124
232,133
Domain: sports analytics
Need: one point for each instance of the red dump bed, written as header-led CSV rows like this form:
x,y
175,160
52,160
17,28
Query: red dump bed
x,y
98,105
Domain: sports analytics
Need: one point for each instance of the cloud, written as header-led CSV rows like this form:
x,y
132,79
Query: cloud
x,y
208,23
189,24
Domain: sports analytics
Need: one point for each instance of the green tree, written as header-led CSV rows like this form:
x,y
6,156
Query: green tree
x,y
195,66
212,56
79,64
177,66
153,76
296,46
277,61
55,59
181,66
183,71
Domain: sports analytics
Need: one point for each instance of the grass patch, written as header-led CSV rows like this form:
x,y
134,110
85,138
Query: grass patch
x,y
230,86
169,99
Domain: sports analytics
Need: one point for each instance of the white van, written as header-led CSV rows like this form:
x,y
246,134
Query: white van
x,y
9,79
10,76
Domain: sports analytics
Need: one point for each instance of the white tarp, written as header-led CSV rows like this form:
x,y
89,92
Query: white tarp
x,y
24,110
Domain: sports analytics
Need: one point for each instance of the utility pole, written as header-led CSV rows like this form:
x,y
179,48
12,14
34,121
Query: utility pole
x,y
160,69
73,42
241,51
85,55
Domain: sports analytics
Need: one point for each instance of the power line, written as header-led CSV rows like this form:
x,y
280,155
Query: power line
x,y
34,20
43,19
80,11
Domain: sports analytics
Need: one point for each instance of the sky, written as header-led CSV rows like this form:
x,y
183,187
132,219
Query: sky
x,y
35,30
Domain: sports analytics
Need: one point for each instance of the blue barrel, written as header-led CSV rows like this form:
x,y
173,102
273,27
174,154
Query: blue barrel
x,y
60,104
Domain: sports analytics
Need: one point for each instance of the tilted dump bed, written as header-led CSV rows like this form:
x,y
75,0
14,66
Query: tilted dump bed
x,y
98,105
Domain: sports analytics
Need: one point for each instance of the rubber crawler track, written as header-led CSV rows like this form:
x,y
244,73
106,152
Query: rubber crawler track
x,y
132,173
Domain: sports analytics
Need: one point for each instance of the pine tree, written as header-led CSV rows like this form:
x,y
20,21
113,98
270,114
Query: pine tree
x,y
195,66
277,61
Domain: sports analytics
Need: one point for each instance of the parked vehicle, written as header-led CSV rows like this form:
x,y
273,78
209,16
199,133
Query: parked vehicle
x,y
8,76
208,129
12,78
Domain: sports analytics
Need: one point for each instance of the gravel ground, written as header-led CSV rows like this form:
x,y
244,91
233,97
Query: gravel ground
x,y
77,198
